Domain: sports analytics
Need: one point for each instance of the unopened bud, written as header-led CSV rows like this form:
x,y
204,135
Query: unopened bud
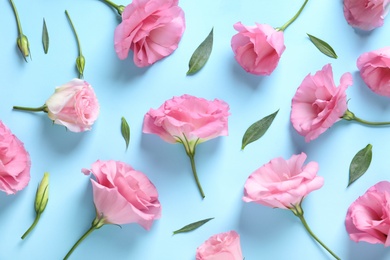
x,y
42,195
24,46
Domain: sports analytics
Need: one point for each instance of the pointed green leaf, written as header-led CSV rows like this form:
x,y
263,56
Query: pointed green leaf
x,y
323,47
360,163
201,54
125,129
45,37
192,226
257,129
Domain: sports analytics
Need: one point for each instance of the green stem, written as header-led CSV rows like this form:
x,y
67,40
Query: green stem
x,y
192,159
32,109
119,8
293,18
17,18
75,33
349,116
97,223
298,211
37,217
80,60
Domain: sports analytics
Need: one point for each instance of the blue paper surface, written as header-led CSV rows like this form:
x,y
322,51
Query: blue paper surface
x,y
126,90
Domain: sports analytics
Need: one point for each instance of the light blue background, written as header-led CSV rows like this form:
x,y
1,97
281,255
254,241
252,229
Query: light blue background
x,y
125,90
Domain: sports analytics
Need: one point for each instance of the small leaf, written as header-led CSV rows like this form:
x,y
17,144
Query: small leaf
x,y
45,37
201,54
323,47
192,226
257,129
360,163
125,129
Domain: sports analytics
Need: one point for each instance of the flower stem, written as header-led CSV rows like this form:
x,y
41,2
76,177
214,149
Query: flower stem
x,y
298,211
17,17
80,61
37,217
119,8
32,109
97,223
284,27
349,116
192,159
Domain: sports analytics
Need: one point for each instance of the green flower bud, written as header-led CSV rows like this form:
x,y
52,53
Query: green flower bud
x,y
24,46
42,195
80,64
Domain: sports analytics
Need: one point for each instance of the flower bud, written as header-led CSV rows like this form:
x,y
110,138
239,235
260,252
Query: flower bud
x,y
42,195
80,64
24,46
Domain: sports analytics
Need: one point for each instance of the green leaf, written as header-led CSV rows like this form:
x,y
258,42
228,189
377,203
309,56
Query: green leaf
x,y
201,54
323,47
257,129
192,226
125,129
45,37
360,163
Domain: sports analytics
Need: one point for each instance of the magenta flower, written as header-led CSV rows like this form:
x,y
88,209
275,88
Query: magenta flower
x,y
368,217
374,67
257,48
318,103
152,29
365,14
15,162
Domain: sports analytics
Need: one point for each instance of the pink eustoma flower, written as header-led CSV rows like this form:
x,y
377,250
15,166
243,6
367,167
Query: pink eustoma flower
x,y
188,118
123,195
282,183
257,48
365,14
223,246
74,105
368,217
190,121
152,29
318,103
14,162
374,67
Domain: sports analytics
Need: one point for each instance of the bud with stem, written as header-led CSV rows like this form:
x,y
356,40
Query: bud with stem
x,y
80,61
41,199
22,40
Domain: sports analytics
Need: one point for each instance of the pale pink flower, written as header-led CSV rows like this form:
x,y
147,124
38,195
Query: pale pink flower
x,y
152,29
282,183
318,103
365,14
257,48
73,105
223,246
368,217
123,195
14,162
374,69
